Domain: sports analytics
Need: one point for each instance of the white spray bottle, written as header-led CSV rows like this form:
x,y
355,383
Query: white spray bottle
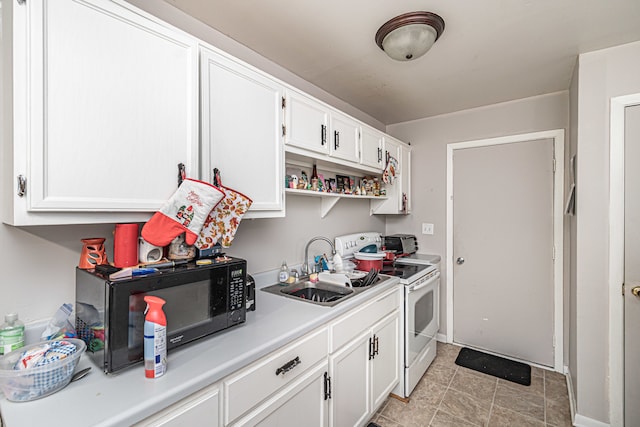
x,y
155,338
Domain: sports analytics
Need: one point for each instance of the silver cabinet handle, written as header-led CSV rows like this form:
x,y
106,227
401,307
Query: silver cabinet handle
x,y
460,261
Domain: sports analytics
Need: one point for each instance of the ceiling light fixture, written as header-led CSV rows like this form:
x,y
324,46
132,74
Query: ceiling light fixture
x,y
409,36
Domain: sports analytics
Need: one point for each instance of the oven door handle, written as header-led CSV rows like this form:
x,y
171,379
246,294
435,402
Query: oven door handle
x,y
425,284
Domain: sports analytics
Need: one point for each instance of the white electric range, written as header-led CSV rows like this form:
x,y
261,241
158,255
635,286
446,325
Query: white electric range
x,y
420,275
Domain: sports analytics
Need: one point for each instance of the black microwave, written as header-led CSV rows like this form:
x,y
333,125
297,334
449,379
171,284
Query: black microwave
x,y
200,300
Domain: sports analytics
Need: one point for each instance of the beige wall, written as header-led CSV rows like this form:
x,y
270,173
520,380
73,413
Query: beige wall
x,y
429,138
602,75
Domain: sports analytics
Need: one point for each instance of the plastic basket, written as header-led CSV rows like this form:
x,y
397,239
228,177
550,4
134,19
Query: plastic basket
x,y
34,383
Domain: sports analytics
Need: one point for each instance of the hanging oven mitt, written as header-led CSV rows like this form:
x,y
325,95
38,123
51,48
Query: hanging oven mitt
x,y
223,220
390,170
185,212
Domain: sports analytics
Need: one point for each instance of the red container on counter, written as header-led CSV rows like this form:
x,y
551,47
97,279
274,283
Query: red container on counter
x,y
125,245
368,264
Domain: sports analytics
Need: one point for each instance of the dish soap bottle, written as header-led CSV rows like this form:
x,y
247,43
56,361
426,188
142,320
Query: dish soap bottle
x,y
283,276
11,334
155,338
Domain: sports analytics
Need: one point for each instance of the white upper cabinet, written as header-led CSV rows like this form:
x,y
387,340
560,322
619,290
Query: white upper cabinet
x,y
371,148
345,137
241,122
100,111
405,178
320,132
398,199
307,123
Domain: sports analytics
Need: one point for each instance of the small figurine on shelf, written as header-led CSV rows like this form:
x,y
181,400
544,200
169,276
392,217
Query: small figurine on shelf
x,y
293,182
304,181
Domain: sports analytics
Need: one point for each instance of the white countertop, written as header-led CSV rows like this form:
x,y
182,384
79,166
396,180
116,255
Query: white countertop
x,y
128,397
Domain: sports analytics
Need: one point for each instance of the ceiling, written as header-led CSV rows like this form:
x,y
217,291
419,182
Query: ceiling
x,y
491,50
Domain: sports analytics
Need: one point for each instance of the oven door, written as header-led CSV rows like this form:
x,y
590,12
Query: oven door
x,y
422,301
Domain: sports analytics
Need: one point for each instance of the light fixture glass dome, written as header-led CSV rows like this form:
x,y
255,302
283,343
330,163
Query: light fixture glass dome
x,y
409,42
409,36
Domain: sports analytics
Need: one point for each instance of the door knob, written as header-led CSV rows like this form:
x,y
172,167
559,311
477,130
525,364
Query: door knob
x,y
460,261
636,291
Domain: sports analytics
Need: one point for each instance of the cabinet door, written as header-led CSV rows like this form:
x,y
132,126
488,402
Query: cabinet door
x,y
345,138
351,387
405,176
242,131
112,107
371,153
385,366
301,403
191,411
393,203
307,123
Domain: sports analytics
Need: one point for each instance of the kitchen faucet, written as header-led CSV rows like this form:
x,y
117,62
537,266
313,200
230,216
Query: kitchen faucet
x,y
305,264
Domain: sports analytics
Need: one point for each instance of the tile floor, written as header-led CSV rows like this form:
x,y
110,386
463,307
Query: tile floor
x,y
450,395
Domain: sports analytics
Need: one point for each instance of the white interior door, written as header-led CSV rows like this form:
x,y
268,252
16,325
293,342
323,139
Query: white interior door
x,y
632,267
503,240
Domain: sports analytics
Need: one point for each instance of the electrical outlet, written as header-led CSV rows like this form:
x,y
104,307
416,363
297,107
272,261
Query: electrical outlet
x,y
427,228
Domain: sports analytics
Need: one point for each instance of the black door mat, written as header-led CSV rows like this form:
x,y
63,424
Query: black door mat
x,y
493,365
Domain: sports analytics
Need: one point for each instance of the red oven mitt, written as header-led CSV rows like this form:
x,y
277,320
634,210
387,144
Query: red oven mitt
x,y
185,212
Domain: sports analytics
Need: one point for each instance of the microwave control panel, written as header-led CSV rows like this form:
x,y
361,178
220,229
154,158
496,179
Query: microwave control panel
x,y
236,288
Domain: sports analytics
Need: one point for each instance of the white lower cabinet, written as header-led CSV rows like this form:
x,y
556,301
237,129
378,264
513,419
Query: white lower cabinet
x,y
253,388
364,363
201,408
303,402
350,375
364,372
385,371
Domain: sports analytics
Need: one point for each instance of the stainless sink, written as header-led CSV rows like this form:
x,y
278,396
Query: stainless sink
x,y
321,293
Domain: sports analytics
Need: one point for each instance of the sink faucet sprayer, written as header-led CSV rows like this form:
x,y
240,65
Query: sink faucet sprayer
x,y
305,264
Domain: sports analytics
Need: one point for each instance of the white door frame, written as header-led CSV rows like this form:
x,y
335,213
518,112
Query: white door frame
x,y
558,238
616,254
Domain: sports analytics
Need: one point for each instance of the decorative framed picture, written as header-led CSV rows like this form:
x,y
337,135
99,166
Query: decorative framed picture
x,y
343,183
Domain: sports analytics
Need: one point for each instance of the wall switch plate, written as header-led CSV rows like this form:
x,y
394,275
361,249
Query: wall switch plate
x,y
427,228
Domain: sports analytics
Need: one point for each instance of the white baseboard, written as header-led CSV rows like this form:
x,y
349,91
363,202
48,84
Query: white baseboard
x,y
582,421
579,420
572,396
441,337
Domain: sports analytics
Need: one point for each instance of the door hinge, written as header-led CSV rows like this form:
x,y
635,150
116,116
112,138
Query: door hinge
x,y
623,289
22,185
553,253
327,386
284,130
284,102
554,165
